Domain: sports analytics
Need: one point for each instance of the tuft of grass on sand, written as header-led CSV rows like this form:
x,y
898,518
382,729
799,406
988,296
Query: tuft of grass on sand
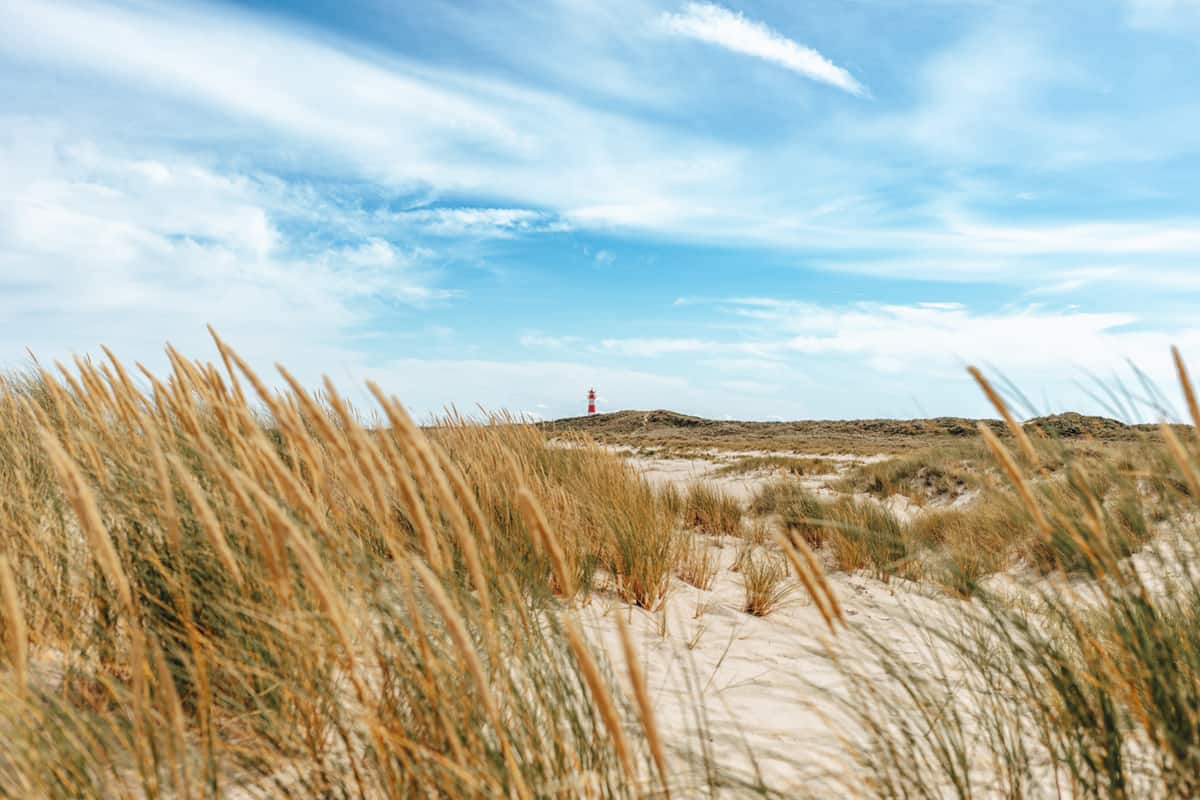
x,y
800,512
788,465
698,563
927,474
859,534
707,508
765,581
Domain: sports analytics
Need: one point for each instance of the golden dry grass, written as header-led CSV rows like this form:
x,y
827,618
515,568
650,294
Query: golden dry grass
x,y
707,508
698,562
764,581
1086,688
209,585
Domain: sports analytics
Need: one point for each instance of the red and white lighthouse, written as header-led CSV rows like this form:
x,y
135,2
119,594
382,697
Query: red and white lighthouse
x,y
591,401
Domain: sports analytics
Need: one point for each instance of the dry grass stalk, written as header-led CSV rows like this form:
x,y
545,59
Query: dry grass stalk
x,y
173,708
84,503
545,537
462,639
698,564
17,632
1188,388
641,693
764,577
1014,474
814,582
708,508
1001,407
1175,448
602,697
208,520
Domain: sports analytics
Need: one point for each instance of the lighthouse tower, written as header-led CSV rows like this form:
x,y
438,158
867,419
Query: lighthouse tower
x,y
591,401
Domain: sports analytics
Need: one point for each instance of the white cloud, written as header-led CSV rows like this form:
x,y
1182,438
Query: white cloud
x,y
742,364
394,121
931,340
1034,343
96,246
538,340
731,30
996,97
872,359
548,161
500,222
1064,286
99,248
654,347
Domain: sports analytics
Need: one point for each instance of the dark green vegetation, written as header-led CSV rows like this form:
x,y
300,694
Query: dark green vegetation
x,y
791,465
668,431
922,475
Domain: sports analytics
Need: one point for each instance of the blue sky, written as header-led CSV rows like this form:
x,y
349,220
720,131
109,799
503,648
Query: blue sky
x,y
756,210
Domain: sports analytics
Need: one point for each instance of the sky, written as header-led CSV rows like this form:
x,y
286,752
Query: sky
x,y
754,210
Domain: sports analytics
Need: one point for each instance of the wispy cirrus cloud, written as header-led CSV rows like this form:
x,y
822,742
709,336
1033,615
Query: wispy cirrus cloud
x,y
935,340
540,340
530,160
470,221
707,22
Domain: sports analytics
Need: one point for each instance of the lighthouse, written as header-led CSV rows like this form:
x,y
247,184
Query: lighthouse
x,y
591,401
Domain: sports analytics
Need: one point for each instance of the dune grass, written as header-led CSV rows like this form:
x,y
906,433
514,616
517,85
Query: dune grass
x,y
202,592
923,475
789,465
707,508
1087,688
858,534
210,587
799,511
698,562
765,581
958,546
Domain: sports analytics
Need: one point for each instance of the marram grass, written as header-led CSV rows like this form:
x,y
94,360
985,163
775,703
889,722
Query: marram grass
x,y
210,588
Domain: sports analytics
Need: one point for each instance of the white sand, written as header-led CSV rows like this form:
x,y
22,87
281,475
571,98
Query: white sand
x,y
756,679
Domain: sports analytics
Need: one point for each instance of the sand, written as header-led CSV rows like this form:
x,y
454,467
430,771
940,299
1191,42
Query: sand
x,y
755,678
706,466
762,682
